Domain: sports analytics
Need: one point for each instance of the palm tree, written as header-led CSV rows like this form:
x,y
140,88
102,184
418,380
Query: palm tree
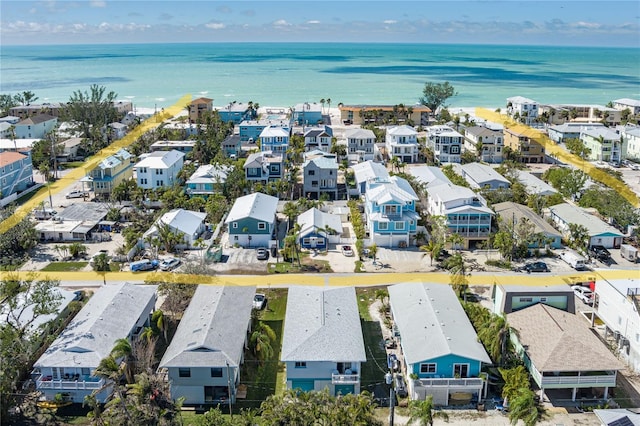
x,y
423,413
383,296
261,341
514,379
122,350
456,241
322,101
290,210
147,333
495,335
109,370
458,275
160,320
433,248
524,407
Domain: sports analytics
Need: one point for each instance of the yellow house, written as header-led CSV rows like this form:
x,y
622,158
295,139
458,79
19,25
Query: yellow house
x,y
525,146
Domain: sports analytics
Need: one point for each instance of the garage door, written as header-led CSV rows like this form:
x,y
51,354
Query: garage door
x,y
303,385
343,389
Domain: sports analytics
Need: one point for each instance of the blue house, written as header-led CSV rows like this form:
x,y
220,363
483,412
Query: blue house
x,y
207,180
264,167
318,229
250,129
367,171
274,139
307,114
390,207
236,112
438,343
16,173
252,221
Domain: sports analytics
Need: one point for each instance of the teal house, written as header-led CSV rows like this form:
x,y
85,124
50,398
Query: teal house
x,y
252,221
439,345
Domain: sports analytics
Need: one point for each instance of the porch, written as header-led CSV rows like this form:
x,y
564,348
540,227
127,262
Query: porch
x,y
448,391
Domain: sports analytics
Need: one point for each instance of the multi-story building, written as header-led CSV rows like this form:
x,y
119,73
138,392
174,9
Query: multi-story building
x,y
207,180
632,105
414,115
604,144
523,109
159,169
320,175
35,127
560,133
250,129
492,140
16,173
252,221
274,139
236,112
198,108
306,114
361,144
264,167
631,137
109,173
445,143
527,148
402,143
26,111
580,113
318,138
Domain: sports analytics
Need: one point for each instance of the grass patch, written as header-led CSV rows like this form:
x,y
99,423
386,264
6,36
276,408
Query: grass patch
x,y
71,165
502,264
276,304
307,264
64,266
359,266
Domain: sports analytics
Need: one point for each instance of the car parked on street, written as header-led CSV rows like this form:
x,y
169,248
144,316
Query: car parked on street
x,y
583,293
262,253
76,194
536,267
401,388
169,264
259,301
143,265
347,251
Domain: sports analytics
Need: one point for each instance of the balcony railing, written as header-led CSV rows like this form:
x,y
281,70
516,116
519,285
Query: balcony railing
x,y
345,379
44,383
600,381
467,382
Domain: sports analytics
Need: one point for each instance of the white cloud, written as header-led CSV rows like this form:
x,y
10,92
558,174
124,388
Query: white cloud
x,y
390,22
313,22
281,23
215,25
98,3
587,25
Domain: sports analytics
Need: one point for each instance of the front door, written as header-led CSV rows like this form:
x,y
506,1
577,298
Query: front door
x,y
460,370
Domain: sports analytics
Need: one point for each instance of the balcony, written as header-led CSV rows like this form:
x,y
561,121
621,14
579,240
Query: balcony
x,y
471,382
607,380
344,379
84,383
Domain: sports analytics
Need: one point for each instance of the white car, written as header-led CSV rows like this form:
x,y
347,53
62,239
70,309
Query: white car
x,y
259,301
76,194
347,251
583,293
169,264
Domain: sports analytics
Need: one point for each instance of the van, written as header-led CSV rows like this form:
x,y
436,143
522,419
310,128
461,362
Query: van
x,y
576,261
44,214
629,252
143,265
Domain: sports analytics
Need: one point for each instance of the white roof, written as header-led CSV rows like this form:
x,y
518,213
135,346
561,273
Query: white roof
x,y
259,159
209,173
432,323
533,184
571,214
369,170
322,324
428,174
272,131
628,101
359,134
315,219
185,221
402,131
481,174
258,206
605,132
109,315
520,100
160,159
396,189
443,131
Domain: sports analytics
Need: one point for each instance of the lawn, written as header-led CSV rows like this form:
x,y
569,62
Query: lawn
x,y
64,266
307,264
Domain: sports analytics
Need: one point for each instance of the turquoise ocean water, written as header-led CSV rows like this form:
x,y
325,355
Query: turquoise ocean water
x,y
283,74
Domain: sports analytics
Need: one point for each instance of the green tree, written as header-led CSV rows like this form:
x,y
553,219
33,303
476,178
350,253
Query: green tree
x,y
458,276
101,263
92,111
523,407
6,103
160,321
77,249
122,351
434,95
434,249
514,379
578,237
423,413
261,341
495,335
26,97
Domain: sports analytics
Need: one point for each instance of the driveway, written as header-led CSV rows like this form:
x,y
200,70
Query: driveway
x,y
240,260
399,260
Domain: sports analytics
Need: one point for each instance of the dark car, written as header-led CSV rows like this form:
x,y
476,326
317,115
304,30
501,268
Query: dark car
x,y
401,389
536,267
600,253
262,253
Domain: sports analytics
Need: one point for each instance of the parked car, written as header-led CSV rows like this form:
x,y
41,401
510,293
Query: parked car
x,y
169,264
347,251
143,265
401,388
536,267
392,362
262,253
76,194
583,293
259,301
600,253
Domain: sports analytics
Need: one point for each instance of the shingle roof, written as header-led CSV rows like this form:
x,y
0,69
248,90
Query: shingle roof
x,y
359,134
213,328
322,324
509,210
110,314
36,119
482,174
560,341
258,206
9,157
428,174
432,323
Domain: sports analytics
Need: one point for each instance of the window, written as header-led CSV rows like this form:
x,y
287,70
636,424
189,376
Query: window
x,y
399,226
526,299
306,241
184,372
311,172
85,371
262,226
216,372
461,370
158,183
300,364
543,299
429,368
383,226
235,225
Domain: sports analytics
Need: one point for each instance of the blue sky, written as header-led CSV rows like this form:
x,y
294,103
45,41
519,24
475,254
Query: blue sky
x,y
569,22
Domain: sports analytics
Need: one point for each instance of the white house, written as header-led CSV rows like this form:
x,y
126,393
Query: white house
x,y
361,144
186,222
322,343
402,142
159,169
114,312
445,143
631,137
482,176
617,303
35,127
252,220
632,105
205,355
318,229
523,108
367,171
599,232
492,140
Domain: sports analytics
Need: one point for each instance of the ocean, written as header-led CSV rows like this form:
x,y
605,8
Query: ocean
x,y
284,74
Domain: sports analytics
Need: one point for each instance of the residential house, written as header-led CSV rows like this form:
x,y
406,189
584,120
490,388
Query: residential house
x,y
560,133
402,142
70,149
438,342
318,138
632,105
35,127
67,367
207,180
306,114
320,175
427,174
189,224
522,109
516,213
617,304
318,229
16,173
361,145
274,139
512,298
183,129
77,222
390,210
580,113
465,212
206,353
631,136
236,112
366,171
10,119
109,173
198,108
116,131
26,111
252,221
264,167
491,139
561,352
526,147
250,129
367,114
6,130
445,143
618,416
159,169
123,107
533,184
598,231
322,343
604,144
482,176
184,146
232,146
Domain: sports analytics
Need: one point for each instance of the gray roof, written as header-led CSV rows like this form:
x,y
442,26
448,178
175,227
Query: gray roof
x,y
432,323
109,315
185,221
258,206
481,131
560,341
481,174
571,214
509,210
359,134
324,162
322,324
316,219
369,170
213,329
428,174
92,212
618,417
533,184
605,132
